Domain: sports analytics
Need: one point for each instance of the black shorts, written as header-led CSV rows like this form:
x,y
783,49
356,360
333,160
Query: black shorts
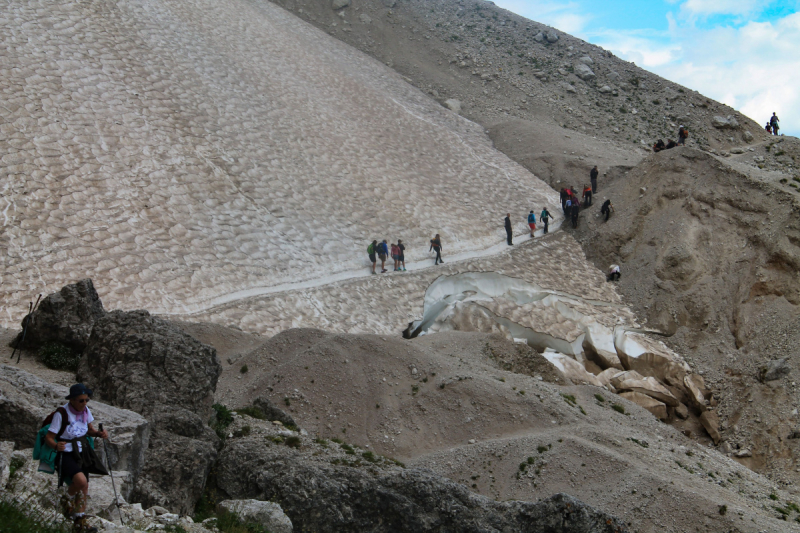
x,y
69,466
371,258
401,257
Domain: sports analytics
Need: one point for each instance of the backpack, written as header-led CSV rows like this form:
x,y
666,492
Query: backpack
x,y
773,120
371,249
42,451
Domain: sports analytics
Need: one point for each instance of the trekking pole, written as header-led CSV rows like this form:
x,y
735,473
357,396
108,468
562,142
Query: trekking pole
x,y
28,319
113,485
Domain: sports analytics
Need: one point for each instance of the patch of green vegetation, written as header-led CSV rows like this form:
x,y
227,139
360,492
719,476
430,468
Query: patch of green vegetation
x,y
773,497
228,522
294,441
642,443
277,439
221,419
570,399
793,506
414,389
337,441
59,356
348,449
15,464
599,397
287,402
688,469
290,427
371,457
531,460
581,409
15,520
244,369
321,442
657,102
542,449
244,432
523,466
618,408
690,453
251,411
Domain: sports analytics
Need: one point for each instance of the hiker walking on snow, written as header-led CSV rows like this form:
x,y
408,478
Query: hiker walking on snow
x,y
587,196
545,218
774,122
532,222
564,196
383,253
576,210
372,249
593,178
509,233
75,459
436,246
395,255
401,257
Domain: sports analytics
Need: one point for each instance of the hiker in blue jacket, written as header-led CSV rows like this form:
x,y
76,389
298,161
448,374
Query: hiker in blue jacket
x,y
532,223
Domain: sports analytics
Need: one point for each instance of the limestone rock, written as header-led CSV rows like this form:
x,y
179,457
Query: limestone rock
x,y
568,87
659,409
268,514
25,400
339,4
551,37
607,375
671,94
386,499
6,449
710,421
453,105
634,382
695,386
737,151
539,37
584,72
775,370
570,368
272,412
605,89
681,411
586,60
151,366
728,122
614,76
65,316
365,19
747,136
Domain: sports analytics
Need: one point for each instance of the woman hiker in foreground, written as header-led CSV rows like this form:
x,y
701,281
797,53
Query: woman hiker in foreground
x,y
75,458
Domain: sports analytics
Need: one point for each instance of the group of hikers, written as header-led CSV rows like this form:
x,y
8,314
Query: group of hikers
x,y
570,204
773,125
683,134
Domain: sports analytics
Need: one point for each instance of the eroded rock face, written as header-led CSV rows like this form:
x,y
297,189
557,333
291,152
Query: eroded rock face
x,y
378,499
66,316
151,366
268,514
272,412
25,400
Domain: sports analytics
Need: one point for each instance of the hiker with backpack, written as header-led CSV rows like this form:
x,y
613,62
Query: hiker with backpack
x,y
775,123
768,127
575,211
613,273
383,253
532,222
545,218
372,249
509,231
395,255
436,245
67,437
683,134
607,208
587,196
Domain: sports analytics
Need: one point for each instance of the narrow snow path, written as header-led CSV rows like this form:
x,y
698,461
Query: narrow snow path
x,y
353,274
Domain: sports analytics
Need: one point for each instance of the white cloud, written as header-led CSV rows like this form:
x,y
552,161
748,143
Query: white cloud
x,y
723,7
565,16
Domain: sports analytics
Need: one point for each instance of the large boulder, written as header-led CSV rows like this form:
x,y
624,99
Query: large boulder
x,y
324,497
66,316
584,72
272,412
632,381
722,123
151,366
6,449
25,400
774,370
266,514
658,409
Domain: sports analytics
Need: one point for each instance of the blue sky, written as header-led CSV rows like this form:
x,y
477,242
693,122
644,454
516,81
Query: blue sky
x,y
744,53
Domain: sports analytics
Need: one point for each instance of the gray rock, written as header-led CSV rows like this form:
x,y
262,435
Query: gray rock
x,y
151,366
6,449
339,4
389,3
551,36
271,412
568,87
386,499
586,60
737,151
584,72
747,136
25,400
268,514
364,18
728,122
65,316
775,370
671,94
605,89
453,105
539,37
614,76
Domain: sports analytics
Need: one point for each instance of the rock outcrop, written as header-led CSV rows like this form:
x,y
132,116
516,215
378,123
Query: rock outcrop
x,y
151,366
266,514
271,412
25,400
66,316
373,495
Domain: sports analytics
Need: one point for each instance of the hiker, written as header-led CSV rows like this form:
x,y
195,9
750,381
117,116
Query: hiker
x,y
587,196
613,273
671,144
593,178
372,249
383,253
768,128
532,222
75,459
545,218
509,233
606,209
576,209
683,134
774,122
436,246
659,145
563,196
395,255
401,255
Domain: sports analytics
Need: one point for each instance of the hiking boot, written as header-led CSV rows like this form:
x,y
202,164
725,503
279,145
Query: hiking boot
x,y
81,526
384,270
404,270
